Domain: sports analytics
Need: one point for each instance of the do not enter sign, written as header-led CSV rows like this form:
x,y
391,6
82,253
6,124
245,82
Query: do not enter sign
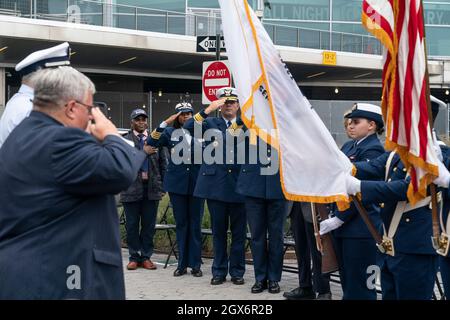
x,y
216,75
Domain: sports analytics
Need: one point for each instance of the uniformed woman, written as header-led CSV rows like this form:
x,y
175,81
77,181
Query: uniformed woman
x,y
355,247
179,182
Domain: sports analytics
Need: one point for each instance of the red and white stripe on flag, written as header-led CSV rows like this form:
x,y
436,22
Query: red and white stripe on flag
x,y
399,25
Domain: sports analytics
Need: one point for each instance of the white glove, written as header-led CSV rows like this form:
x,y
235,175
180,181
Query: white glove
x,y
444,176
353,185
329,225
436,147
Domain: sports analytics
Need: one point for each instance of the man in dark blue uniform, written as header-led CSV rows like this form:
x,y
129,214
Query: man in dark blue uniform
x,y
355,248
444,254
217,184
179,182
408,268
60,228
266,213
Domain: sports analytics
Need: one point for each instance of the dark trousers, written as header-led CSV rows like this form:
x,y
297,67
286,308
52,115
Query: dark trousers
x,y
222,215
188,213
354,256
140,242
408,276
266,221
305,250
444,265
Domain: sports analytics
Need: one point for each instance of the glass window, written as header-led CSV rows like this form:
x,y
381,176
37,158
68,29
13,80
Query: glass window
x,y
437,14
354,38
298,10
203,4
171,5
438,42
349,28
347,10
306,25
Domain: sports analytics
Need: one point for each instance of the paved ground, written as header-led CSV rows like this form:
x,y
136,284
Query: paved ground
x,y
160,284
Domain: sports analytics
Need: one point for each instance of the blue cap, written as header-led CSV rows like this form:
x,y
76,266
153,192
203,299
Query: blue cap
x,y
184,107
48,58
138,112
367,111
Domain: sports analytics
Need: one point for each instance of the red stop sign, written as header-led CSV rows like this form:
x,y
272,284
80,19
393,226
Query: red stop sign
x,y
216,75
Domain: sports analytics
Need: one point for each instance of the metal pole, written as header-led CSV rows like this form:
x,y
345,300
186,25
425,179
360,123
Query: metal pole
x,y
135,18
298,37
274,34
167,21
218,46
195,25
320,39
150,109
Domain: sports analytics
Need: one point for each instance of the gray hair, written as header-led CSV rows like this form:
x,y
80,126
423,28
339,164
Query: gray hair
x,y
56,86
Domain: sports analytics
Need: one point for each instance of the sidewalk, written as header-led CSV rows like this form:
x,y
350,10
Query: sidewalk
x,y
160,284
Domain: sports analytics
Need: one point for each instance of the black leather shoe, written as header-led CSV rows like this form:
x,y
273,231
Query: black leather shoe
x,y
274,287
237,280
218,280
300,294
197,272
179,272
259,286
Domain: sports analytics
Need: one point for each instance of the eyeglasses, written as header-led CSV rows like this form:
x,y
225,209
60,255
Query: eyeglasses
x,y
89,107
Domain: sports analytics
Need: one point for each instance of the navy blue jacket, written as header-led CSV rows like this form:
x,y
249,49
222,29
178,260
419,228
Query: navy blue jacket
x,y
216,181
252,181
180,178
414,232
354,226
58,213
445,191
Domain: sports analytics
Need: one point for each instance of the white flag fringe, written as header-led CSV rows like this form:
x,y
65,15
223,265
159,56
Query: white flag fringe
x,y
312,168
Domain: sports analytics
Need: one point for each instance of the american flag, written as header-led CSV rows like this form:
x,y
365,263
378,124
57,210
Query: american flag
x,y
399,25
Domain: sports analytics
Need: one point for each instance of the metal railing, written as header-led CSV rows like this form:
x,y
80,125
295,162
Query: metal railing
x,y
155,20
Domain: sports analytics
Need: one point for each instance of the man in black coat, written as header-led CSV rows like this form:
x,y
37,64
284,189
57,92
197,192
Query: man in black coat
x,y
59,235
141,199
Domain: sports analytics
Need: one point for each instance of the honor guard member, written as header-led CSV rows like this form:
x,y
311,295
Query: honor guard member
x,y
409,263
217,184
179,182
20,105
444,256
266,207
355,248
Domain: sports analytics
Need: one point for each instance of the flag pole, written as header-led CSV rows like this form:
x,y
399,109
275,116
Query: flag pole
x,y
434,202
381,245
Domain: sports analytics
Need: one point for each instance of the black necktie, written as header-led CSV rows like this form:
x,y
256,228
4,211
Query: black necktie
x,y
228,123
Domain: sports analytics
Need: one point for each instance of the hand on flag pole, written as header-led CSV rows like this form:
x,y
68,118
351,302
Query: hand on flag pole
x,y
353,185
436,147
444,176
330,225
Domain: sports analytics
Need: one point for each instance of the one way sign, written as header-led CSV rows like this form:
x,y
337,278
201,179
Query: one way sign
x,y
208,44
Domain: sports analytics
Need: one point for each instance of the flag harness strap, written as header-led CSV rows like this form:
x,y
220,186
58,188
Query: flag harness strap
x,y
401,208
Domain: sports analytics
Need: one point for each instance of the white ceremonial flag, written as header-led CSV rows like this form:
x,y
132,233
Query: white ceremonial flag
x,y
312,168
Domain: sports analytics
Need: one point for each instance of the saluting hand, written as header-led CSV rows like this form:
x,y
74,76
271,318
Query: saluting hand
x,y
215,105
101,126
172,118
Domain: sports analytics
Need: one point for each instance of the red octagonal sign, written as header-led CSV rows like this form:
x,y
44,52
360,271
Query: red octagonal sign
x,y
216,75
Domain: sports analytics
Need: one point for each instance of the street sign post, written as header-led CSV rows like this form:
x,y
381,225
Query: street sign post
x,y
208,44
215,75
